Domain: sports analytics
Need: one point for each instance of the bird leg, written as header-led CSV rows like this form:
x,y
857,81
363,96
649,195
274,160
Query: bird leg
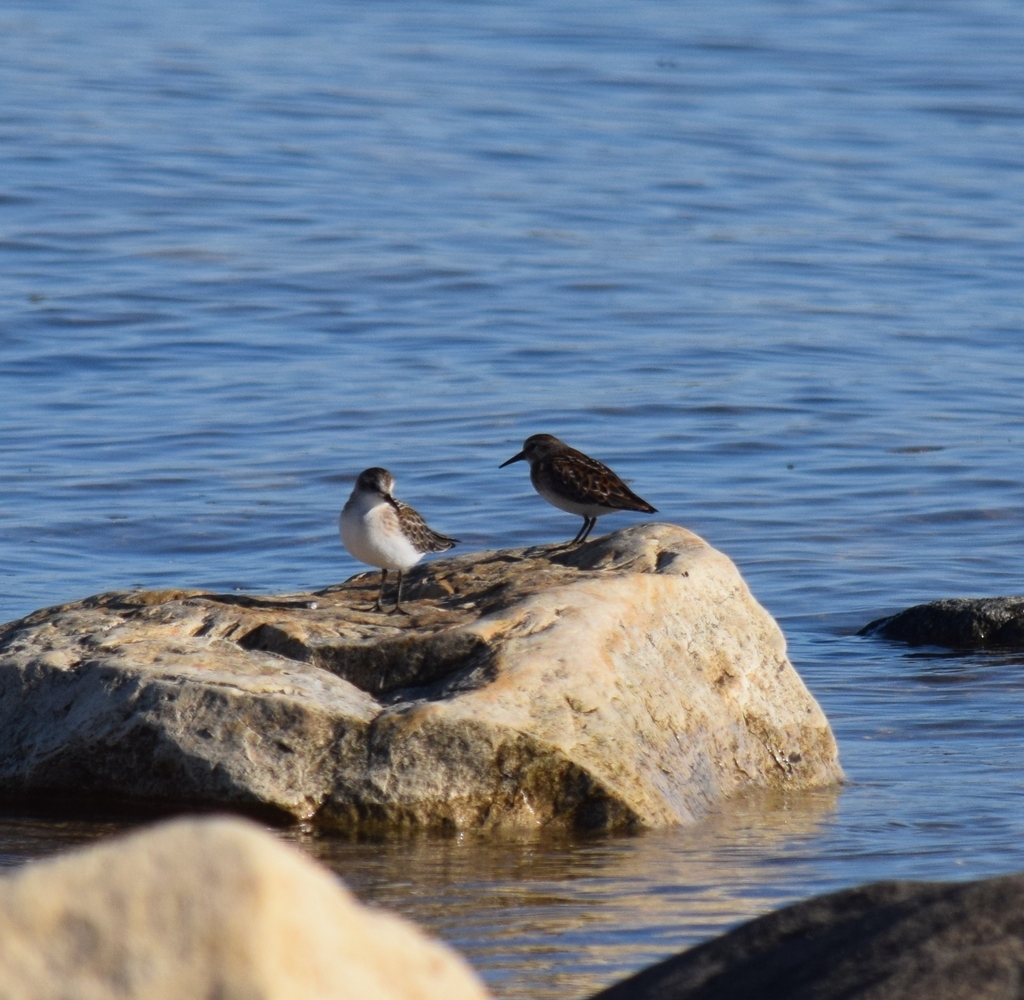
x,y
398,599
588,523
380,594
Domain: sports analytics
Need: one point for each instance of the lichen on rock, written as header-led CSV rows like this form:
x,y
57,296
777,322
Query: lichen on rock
x,y
631,681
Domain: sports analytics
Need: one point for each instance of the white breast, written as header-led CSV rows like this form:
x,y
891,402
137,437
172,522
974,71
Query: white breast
x,y
370,531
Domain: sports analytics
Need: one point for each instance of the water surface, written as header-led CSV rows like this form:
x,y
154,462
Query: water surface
x,y
763,258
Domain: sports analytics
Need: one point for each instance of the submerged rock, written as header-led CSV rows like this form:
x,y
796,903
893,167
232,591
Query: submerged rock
x,y
208,908
887,941
632,681
957,623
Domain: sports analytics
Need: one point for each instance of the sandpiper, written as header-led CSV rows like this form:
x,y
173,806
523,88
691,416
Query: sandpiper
x,y
382,531
574,482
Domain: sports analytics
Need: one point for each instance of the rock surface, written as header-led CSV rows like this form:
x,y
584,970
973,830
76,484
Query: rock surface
x,y
957,623
632,681
208,908
887,941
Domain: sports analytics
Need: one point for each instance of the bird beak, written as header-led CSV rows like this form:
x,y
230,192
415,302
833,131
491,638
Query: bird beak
x,y
514,458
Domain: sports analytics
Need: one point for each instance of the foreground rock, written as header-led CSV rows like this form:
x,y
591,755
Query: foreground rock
x,y
208,908
632,681
888,941
957,623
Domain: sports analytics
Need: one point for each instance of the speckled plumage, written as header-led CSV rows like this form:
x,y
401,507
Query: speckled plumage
x,y
424,539
575,482
379,530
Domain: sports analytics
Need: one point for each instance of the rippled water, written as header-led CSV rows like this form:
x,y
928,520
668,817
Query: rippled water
x,y
762,257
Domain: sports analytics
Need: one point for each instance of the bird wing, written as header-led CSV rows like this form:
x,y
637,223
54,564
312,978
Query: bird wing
x,y
587,480
419,532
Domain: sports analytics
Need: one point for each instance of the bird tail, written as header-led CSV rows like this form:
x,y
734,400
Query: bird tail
x,y
441,543
630,501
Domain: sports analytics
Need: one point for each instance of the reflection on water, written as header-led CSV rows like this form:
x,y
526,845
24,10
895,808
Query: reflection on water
x,y
561,918
25,837
551,917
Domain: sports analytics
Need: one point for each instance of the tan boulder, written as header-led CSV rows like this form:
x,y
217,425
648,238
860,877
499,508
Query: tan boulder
x,y
208,908
631,681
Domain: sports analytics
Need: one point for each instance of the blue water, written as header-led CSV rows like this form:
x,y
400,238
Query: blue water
x,y
764,258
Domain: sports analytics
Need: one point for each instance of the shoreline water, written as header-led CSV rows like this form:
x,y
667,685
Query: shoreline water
x,y
765,263
542,916
551,916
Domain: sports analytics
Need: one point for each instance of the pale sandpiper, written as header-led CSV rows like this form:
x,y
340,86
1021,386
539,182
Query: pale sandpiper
x,y
379,530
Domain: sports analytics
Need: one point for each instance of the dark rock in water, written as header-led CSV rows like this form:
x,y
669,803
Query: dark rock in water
x,y
958,623
887,941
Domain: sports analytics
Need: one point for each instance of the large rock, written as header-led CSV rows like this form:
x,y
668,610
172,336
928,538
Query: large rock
x,y
631,681
957,623
203,909
887,941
